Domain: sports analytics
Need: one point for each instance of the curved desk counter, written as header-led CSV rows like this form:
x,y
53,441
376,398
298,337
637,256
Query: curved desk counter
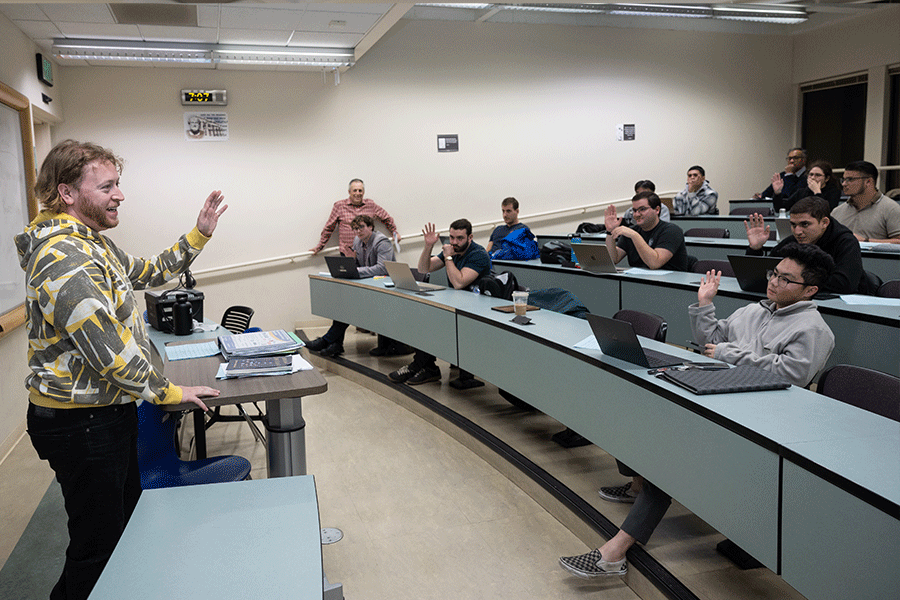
x,y
884,264
866,335
772,471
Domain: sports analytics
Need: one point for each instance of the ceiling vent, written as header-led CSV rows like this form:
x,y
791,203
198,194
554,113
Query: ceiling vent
x,y
168,15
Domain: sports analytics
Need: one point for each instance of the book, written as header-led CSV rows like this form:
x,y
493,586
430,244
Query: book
x,y
259,343
266,365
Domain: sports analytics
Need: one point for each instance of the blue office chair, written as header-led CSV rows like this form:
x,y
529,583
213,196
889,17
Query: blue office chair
x,y
159,464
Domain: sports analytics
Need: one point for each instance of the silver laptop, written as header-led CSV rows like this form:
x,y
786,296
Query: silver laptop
x,y
783,227
595,258
403,278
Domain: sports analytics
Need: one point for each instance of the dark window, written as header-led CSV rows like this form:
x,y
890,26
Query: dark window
x,y
892,178
834,123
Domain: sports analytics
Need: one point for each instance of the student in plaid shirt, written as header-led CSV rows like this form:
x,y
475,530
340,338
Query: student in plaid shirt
x,y
344,211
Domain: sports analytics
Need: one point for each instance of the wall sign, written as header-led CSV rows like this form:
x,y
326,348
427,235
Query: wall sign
x,y
448,142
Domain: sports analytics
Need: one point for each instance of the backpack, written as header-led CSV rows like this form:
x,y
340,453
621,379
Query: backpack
x,y
519,244
556,253
590,228
498,286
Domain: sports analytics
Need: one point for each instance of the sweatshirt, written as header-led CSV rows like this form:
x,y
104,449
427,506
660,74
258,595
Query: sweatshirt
x,y
87,344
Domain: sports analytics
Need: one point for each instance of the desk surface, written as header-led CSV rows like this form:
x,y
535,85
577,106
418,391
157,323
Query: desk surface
x,y
249,539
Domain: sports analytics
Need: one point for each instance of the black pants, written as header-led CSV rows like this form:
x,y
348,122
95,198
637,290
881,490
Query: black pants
x,y
93,451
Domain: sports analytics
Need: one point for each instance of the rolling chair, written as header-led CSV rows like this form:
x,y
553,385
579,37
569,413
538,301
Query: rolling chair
x,y
864,388
159,463
889,289
710,232
746,210
236,319
645,324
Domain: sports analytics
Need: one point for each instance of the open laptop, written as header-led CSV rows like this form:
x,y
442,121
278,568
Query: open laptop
x,y
403,278
595,258
750,271
618,339
342,267
783,227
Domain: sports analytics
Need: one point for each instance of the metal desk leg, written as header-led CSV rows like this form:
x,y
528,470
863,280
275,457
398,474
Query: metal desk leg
x,y
199,433
285,437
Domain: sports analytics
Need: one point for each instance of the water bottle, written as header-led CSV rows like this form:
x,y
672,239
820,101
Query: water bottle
x,y
182,315
782,216
574,240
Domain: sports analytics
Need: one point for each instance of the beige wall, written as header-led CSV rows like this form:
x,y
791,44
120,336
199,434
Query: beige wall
x,y
535,108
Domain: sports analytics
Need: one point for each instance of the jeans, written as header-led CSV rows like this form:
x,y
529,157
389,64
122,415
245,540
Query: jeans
x,y
93,451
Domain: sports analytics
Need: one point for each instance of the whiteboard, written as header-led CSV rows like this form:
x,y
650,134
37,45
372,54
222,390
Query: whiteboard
x,y
13,208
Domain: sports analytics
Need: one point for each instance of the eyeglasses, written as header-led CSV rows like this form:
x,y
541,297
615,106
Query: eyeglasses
x,y
846,179
640,209
793,158
816,175
782,280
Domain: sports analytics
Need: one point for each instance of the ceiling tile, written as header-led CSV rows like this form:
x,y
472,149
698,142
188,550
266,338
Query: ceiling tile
x,y
237,17
78,13
25,12
325,40
374,8
354,22
39,29
155,33
254,37
100,31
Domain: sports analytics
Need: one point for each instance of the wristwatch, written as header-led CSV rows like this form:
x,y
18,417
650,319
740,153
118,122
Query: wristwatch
x,y
448,257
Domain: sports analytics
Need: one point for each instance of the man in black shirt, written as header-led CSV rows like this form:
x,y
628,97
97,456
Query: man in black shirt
x,y
651,243
811,223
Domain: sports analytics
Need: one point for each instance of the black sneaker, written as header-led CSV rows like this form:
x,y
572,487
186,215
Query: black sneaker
x,y
332,350
590,565
401,374
425,376
318,344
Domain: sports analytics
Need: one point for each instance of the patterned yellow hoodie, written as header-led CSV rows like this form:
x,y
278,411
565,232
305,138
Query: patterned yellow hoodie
x,y
87,344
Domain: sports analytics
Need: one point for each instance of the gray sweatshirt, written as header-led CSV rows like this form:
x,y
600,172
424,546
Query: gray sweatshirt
x,y
793,342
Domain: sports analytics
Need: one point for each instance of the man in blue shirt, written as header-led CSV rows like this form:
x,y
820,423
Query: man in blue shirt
x,y
510,208
466,262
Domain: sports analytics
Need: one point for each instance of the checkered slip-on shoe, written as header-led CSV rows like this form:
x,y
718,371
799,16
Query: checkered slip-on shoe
x,y
618,493
590,565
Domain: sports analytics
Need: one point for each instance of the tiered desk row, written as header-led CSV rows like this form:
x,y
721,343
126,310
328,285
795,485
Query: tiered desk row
x,y
790,476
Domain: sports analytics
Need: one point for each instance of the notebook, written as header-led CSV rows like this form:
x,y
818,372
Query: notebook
x,y
743,378
403,278
750,271
618,339
342,267
595,258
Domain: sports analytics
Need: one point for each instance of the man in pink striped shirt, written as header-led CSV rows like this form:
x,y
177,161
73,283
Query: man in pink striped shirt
x,y
344,211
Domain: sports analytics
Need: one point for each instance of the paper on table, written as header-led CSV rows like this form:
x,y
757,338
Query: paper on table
x,y
198,350
298,363
640,271
856,299
588,343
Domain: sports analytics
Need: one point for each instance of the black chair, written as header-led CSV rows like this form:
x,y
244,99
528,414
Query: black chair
x,y
710,232
864,388
645,324
889,289
749,210
702,266
236,319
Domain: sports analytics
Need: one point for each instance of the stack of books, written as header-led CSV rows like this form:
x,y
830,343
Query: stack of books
x,y
259,353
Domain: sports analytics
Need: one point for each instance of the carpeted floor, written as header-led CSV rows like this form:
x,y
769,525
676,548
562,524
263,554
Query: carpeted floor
x,y
44,542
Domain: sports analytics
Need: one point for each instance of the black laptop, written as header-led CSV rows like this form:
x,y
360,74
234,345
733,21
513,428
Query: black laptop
x,y
342,267
618,339
750,271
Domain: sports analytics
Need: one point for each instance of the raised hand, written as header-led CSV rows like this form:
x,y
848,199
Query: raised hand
x,y
430,234
210,213
777,183
611,218
709,285
757,231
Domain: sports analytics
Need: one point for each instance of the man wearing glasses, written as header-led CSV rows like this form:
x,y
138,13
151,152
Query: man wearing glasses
x,y
784,334
811,223
870,215
651,243
793,176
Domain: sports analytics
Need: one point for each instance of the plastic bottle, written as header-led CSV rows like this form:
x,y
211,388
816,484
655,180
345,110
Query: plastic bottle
x,y
574,240
182,315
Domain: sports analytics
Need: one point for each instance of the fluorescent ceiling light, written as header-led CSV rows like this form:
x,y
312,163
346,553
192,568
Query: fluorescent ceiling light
x,y
202,53
557,8
761,15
